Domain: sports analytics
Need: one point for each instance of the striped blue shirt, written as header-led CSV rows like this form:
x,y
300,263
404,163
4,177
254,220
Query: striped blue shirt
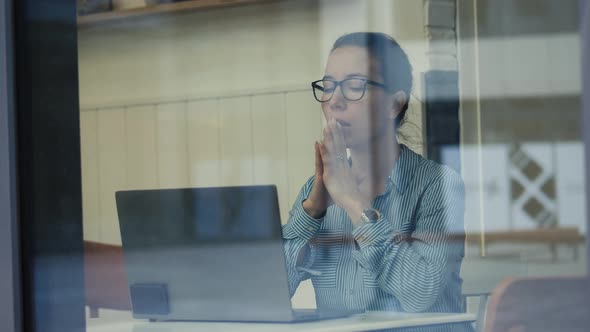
x,y
406,261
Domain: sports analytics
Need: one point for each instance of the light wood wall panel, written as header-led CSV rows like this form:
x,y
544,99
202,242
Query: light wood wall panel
x,y
270,145
236,144
141,156
304,127
90,175
258,139
172,145
112,173
204,154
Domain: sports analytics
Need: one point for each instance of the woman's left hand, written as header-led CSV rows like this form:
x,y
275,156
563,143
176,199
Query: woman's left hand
x,y
338,177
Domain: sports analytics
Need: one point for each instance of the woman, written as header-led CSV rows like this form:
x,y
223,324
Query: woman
x,y
372,230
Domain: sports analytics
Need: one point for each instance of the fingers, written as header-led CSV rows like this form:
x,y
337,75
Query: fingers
x,y
327,141
319,198
323,153
337,137
333,142
319,164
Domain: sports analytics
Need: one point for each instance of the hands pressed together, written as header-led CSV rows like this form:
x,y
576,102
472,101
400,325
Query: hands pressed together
x,y
334,181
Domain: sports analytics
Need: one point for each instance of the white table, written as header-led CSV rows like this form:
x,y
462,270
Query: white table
x,y
365,322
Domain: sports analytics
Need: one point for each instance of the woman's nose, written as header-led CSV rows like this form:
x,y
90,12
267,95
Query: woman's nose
x,y
337,102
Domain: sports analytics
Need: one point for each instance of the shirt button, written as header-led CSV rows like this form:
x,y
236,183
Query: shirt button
x,y
351,292
311,229
362,238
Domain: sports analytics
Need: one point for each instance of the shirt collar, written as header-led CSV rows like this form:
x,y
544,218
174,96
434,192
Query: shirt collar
x,y
402,172
404,169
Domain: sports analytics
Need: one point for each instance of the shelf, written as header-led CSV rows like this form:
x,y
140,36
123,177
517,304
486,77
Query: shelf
x,y
92,19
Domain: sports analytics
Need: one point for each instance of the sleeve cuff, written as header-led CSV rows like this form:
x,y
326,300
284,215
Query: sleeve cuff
x,y
301,224
369,233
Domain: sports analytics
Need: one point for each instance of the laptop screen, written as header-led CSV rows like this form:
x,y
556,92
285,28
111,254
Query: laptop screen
x,y
172,217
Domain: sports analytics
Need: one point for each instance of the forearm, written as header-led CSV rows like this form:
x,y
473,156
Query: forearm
x,y
298,234
403,271
312,210
408,266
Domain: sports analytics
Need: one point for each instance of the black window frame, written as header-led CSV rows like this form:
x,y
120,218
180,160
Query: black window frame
x,y
46,144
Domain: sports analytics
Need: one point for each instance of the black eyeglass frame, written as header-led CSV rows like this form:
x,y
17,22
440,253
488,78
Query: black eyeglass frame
x,y
315,85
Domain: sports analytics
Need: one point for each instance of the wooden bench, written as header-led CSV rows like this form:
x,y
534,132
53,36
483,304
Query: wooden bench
x,y
552,237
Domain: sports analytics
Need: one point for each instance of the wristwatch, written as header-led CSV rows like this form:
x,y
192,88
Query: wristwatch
x,y
370,215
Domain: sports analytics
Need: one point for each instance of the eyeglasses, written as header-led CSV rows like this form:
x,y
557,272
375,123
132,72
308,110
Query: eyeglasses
x,y
352,89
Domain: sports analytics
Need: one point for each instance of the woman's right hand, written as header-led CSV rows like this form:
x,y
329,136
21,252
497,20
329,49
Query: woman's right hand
x,y
319,199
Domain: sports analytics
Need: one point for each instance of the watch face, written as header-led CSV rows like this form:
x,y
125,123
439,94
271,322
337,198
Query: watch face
x,y
371,214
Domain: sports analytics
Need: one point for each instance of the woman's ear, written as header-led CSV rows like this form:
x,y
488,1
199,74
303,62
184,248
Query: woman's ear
x,y
399,101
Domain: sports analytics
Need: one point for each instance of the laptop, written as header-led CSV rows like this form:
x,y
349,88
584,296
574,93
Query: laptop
x,y
207,254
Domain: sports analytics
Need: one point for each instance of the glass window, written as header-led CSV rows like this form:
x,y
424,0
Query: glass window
x,y
243,159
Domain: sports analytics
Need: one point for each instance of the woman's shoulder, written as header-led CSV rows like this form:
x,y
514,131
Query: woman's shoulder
x,y
428,172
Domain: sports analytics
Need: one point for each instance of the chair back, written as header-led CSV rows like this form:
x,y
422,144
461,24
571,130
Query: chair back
x,y
105,278
540,305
